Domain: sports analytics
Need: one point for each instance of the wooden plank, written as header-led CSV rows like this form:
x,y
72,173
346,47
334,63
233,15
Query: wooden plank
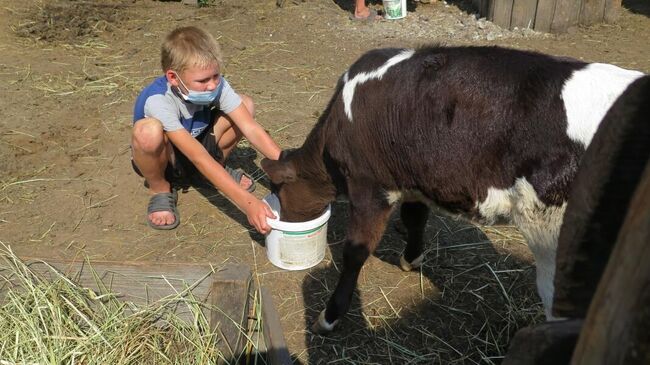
x,y
616,328
138,282
490,9
277,351
610,170
485,8
230,293
544,15
548,343
612,10
502,13
567,15
593,11
523,14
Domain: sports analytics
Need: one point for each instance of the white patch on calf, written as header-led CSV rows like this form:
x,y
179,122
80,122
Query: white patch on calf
x,y
496,204
360,78
539,224
393,197
589,94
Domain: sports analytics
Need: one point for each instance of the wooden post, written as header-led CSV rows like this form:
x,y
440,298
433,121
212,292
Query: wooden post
x,y
549,343
544,15
567,14
602,190
502,12
612,10
593,12
616,328
523,14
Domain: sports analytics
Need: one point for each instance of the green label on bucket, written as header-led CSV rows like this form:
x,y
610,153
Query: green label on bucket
x,y
393,8
302,233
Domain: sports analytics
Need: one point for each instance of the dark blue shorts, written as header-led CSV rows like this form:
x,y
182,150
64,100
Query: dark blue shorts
x,y
183,170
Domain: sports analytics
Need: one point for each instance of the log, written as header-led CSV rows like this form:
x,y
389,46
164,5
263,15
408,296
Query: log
x,y
610,170
616,327
550,343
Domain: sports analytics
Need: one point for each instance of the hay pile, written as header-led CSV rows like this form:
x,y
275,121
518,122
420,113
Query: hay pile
x,y
56,321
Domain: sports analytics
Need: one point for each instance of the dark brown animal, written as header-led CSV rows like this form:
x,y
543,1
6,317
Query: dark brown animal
x,y
486,132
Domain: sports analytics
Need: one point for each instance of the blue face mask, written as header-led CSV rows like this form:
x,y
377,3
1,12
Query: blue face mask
x,y
202,97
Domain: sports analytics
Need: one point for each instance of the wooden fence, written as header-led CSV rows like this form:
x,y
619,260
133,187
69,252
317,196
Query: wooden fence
x,y
554,16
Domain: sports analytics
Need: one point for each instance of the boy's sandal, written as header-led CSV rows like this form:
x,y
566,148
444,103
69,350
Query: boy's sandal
x,y
237,175
164,202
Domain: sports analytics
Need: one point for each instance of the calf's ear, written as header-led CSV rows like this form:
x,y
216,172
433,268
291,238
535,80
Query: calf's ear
x,y
279,171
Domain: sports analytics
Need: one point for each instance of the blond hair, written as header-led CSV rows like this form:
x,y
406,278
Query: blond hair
x,y
187,47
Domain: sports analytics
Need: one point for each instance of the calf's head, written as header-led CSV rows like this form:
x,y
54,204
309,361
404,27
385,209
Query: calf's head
x,y
303,194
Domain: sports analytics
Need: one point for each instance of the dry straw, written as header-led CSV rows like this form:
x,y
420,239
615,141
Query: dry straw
x,y
49,319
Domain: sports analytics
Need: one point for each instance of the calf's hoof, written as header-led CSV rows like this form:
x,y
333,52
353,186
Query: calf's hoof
x,y
408,266
321,326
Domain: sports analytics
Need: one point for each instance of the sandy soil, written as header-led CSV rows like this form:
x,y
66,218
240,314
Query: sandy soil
x,y
70,71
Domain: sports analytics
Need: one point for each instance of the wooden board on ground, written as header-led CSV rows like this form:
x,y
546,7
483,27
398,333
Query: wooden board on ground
x,y
277,352
144,283
230,294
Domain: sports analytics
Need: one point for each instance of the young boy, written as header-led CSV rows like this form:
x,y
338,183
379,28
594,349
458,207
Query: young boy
x,y
190,119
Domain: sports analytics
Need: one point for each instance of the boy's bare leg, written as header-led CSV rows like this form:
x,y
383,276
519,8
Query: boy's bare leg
x,y
151,154
228,135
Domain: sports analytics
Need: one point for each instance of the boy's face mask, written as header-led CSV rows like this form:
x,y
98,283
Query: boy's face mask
x,y
201,97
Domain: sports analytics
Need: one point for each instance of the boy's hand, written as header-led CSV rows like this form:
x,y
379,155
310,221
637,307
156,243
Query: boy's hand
x,y
257,211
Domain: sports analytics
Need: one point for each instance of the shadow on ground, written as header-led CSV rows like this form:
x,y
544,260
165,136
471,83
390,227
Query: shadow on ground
x,y
242,158
470,302
638,6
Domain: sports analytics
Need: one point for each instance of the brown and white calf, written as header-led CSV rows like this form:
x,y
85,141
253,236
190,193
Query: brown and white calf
x,y
487,132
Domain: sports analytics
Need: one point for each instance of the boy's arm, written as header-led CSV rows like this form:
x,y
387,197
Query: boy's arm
x,y
254,132
256,211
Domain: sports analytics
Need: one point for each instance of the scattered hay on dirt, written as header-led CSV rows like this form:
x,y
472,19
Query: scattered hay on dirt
x,y
72,21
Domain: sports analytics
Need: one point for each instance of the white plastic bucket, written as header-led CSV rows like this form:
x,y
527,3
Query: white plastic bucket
x,y
295,245
394,9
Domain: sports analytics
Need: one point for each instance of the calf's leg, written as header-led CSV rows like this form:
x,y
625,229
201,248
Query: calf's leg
x,y
414,216
540,225
368,217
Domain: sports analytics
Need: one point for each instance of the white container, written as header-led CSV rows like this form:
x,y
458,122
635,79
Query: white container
x,y
394,9
295,245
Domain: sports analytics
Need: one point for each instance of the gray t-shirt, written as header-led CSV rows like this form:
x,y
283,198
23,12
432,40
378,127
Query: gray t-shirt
x,y
160,101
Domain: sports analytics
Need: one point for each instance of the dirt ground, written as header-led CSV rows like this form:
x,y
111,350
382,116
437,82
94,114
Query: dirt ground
x,y
70,71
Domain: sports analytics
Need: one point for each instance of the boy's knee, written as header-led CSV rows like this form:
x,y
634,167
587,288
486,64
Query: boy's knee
x,y
148,135
248,103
